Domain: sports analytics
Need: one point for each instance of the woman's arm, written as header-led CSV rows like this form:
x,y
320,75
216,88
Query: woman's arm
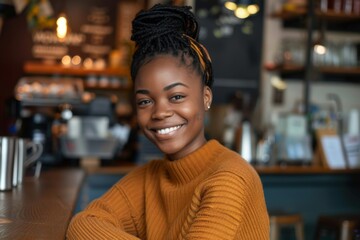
x,y
228,207
113,215
108,217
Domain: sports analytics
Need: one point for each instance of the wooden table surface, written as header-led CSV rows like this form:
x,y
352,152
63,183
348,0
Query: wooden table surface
x,y
262,170
40,208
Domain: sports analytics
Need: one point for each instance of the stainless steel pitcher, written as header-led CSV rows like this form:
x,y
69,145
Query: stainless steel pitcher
x,y
7,159
16,154
24,158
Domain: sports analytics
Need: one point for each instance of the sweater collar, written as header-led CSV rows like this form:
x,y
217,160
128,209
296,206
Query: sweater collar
x,y
185,169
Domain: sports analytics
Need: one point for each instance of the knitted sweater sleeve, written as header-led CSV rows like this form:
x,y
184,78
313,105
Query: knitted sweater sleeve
x,y
229,206
112,216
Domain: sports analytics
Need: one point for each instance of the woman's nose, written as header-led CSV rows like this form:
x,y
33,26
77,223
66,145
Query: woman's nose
x,y
161,111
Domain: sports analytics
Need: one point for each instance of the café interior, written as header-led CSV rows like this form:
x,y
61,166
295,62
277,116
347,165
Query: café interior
x,y
286,98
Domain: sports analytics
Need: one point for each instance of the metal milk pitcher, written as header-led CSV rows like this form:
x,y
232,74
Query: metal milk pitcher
x,y
26,153
7,159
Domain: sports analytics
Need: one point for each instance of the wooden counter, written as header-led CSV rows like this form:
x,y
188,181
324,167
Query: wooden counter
x,y
40,208
290,170
262,170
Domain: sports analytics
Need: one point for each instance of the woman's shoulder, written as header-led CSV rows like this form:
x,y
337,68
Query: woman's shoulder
x,y
233,164
135,178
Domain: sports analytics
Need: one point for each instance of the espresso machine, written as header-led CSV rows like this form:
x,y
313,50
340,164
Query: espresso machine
x,y
40,99
88,134
69,122
37,128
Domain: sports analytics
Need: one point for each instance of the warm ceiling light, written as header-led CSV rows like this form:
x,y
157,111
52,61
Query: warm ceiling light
x,y
253,8
231,6
278,83
241,12
61,29
320,49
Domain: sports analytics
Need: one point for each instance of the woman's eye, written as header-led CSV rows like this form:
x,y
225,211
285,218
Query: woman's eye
x,y
177,97
143,102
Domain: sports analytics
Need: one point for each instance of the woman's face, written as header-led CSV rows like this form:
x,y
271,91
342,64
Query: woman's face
x,y
171,102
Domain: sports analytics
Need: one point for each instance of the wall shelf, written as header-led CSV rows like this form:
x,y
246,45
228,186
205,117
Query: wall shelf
x,y
290,68
284,68
339,70
329,15
50,102
50,69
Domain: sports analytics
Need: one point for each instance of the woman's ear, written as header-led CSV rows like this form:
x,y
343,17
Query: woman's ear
x,y
207,98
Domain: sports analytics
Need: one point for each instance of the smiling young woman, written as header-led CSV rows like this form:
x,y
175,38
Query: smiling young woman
x,y
200,189
171,103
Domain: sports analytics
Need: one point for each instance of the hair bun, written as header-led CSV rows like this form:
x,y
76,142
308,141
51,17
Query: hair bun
x,y
163,21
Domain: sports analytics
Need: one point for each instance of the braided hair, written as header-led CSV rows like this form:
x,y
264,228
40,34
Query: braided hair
x,y
170,30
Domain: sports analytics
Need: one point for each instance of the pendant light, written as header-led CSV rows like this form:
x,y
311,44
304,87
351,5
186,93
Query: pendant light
x,y
61,27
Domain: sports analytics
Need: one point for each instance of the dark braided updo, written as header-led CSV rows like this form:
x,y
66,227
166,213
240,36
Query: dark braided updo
x,y
171,30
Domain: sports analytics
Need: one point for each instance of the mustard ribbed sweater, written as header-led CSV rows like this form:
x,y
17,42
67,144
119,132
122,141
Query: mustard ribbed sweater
x,y
210,194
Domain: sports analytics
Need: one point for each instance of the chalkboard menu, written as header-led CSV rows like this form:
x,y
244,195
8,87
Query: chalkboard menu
x,y
91,30
235,47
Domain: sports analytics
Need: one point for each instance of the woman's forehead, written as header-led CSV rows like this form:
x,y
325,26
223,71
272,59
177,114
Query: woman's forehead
x,y
163,63
166,70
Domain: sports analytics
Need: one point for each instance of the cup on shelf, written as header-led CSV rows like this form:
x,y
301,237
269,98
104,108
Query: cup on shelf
x,y
91,81
88,63
115,82
104,82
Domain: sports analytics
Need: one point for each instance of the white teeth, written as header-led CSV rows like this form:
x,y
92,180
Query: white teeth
x,y
168,130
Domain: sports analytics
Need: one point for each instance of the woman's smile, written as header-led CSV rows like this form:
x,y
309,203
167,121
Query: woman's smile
x,y
167,130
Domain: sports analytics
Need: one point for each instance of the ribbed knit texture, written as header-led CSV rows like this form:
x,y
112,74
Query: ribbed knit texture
x,y
210,194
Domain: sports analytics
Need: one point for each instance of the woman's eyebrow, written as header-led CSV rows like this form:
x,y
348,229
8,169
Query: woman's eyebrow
x,y
142,91
167,88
